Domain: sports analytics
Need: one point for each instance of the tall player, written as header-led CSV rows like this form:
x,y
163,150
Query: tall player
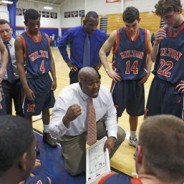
x,y
132,64
168,54
34,62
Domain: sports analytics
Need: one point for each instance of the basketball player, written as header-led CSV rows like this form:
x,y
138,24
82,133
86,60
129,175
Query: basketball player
x,y
168,55
17,152
159,154
132,64
34,62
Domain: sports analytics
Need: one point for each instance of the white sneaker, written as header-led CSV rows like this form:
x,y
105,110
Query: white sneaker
x,y
133,142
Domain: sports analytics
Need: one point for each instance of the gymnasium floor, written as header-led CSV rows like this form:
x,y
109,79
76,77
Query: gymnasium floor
x,y
123,159
52,165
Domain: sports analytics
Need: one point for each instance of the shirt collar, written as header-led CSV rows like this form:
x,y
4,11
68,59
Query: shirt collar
x,y
11,42
85,33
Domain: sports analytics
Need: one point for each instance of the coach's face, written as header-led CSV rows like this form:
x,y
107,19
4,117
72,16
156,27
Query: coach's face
x,y
90,25
91,85
5,32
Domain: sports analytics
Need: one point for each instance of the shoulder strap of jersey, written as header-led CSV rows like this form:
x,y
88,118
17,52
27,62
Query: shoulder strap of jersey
x,y
146,41
48,39
24,45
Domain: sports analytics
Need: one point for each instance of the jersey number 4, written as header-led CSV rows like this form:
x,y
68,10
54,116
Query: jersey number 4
x,y
131,68
165,67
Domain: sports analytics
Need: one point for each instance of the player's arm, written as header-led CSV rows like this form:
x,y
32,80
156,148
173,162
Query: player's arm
x,y
4,60
19,54
106,47
159,35
148,58
53,72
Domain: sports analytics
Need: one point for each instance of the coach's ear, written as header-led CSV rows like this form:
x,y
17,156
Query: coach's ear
x,y
139,154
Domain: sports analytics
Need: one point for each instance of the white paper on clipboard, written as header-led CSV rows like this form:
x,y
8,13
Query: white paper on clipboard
x,y
97,161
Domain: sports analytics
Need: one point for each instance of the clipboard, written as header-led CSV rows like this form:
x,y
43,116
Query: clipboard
x,y
97,161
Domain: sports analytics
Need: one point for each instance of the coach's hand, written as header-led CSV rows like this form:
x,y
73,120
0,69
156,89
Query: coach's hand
x,y
72,113
109,144
72,66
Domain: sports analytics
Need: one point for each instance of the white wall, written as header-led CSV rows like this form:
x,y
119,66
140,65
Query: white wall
x,y
100,6
144,5
45,22
68,6
4,12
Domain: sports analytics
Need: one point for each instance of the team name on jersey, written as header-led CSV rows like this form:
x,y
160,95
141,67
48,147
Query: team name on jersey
x,y
132,53
38,54
169,52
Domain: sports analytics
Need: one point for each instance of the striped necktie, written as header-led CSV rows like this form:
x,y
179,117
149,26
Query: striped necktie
x,y
91,123
9,69
86,55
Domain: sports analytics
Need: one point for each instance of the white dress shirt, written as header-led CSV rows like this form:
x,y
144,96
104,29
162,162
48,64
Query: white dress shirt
x,y
13,59
73,94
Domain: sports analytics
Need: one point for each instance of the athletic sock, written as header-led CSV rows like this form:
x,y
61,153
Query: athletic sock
x,y
132,134
46,128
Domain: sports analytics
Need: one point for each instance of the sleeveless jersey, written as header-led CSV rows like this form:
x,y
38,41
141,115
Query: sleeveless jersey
x,y
36,54
169,64
130,55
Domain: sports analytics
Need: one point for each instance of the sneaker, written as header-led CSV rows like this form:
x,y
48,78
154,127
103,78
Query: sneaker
x,y
49,140
133,142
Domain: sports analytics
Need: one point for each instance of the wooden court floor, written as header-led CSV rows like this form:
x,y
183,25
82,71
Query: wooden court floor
x,y
123,158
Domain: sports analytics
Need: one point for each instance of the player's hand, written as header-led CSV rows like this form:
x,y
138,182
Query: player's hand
x,y
145,78
2,73
114,76
29,94
54,85
160,35
180,87
109,144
